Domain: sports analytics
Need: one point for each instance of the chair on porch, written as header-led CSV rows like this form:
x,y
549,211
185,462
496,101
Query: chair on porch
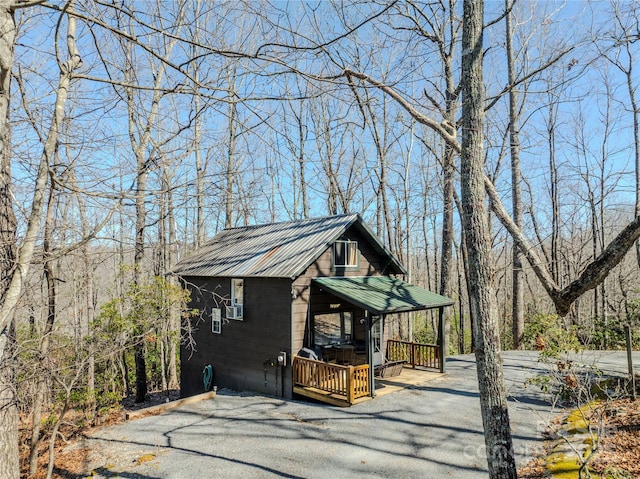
x,y
339,353
360,351
383,368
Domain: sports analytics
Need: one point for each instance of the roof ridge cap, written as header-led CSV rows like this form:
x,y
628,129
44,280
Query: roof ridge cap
x,y
301,220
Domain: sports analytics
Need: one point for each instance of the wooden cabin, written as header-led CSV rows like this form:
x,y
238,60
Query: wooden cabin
x,y
300,307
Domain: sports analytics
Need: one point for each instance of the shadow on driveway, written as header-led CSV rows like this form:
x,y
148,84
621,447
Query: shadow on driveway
x,y
427,430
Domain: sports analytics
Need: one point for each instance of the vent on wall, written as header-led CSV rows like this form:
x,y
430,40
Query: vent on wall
x,y
234,311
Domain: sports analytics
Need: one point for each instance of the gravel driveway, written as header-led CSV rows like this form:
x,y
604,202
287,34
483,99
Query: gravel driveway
x,y
433,430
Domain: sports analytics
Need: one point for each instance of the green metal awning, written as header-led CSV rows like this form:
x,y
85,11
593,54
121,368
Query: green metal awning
x,y
382,294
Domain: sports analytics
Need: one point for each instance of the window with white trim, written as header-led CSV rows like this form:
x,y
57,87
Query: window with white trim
x,y
235,309
216,321
345,254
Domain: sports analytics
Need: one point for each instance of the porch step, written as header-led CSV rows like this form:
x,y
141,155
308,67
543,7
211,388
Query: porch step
x,y
326,397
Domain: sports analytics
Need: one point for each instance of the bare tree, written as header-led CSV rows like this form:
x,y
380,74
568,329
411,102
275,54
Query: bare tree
x,y
334,169
445,35
296,135
200,167
514,148
142,119
51,277
9,467
493,399
620,53
16,271
230,171
341,170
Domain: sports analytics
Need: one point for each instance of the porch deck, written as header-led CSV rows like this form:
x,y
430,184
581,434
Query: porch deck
x,y
409,377
329,382
347,385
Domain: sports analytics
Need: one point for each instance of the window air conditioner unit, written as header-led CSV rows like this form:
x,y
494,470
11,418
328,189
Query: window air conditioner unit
x,y
234,311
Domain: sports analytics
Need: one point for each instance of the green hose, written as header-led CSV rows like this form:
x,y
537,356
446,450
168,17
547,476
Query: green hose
x,y
207,377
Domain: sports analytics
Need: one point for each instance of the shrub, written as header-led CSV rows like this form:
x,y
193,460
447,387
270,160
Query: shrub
x,y
548,334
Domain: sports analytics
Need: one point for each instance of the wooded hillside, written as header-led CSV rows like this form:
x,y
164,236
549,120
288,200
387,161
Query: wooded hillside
x,y
132,132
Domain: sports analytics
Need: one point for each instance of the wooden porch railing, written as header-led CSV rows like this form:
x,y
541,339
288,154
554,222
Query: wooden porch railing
x,y
347,383
416,354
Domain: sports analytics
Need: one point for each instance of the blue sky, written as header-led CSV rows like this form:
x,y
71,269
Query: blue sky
x,y
265,163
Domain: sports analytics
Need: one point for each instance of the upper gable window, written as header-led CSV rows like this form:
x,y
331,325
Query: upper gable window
x,y
345,254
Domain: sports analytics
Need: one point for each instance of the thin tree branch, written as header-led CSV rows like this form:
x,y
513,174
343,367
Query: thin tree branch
x,y
446,131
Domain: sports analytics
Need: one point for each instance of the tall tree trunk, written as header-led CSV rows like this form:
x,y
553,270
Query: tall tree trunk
x,y
15,267
9,452
139,145
383,201
444,317
517,307
409,232
301,166
636,130
90,305
493,400
461,338
380,140
200,172
140,130
9,465
230,173
41,386
173,321
199,236
141,218
448,172
553,183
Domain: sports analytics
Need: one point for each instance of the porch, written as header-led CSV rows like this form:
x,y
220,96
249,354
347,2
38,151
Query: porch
x,y
416,354
347,339
408,364
336,384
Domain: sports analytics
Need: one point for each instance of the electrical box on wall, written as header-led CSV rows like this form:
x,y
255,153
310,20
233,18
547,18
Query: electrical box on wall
x,y
282,358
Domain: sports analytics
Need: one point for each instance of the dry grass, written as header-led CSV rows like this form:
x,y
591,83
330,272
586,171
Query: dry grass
x,y
71,459
618,455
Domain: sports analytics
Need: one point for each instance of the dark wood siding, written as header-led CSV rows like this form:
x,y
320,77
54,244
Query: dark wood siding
x,y
302,289
310,300
246,349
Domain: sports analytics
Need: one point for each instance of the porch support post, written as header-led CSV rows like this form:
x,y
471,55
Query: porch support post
x,y
441,339
368,325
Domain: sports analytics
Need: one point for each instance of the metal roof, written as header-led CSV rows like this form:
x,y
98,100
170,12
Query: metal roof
x,y
382,294
275,250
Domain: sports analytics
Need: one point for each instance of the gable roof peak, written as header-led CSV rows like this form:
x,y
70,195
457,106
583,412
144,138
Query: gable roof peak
x,y
280,250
